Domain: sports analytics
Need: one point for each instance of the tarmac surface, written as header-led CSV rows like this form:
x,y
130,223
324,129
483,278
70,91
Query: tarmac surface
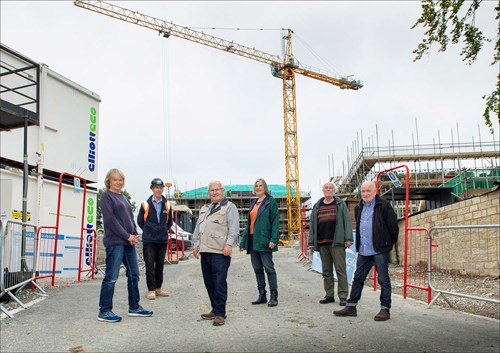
x,y
66,321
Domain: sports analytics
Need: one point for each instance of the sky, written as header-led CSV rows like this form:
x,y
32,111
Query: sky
x,y
190,114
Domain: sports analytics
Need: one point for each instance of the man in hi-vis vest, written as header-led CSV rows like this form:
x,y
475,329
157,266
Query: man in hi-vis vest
x,y
216,231
155,219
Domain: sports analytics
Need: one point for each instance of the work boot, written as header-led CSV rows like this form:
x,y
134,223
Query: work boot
x,y
273,301
347,311
262,299
327,300
383,315
219,321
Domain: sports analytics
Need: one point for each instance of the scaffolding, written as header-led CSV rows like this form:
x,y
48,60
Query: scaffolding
x,y
463,166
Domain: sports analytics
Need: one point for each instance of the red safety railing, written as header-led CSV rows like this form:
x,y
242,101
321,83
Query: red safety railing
x,y
46,246
415,269
90,247
170,252
407,199
43,251
304,238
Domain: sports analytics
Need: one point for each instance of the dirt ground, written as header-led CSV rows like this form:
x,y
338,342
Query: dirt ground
x,y
485,287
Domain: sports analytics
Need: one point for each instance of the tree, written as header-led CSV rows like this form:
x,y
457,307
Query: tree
x,y
443,20
99,212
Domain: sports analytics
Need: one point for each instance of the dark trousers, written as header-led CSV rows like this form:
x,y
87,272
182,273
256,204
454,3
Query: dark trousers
x,y
363,267
214,268
154,258
263,261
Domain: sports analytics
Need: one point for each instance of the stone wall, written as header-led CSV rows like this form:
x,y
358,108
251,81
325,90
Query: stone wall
x,y
466,252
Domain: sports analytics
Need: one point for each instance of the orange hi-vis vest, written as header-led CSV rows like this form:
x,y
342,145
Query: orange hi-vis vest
x,y
145,206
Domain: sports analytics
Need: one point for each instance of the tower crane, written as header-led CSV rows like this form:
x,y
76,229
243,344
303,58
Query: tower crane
x,y
284,68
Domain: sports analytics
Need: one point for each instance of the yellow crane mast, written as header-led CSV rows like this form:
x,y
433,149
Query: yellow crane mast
x,y
284,68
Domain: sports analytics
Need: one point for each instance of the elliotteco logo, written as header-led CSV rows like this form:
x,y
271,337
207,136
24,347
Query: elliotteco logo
x,y
92,139
89,247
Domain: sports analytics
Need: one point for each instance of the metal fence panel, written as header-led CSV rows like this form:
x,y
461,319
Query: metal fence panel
x,y
18,260
458,251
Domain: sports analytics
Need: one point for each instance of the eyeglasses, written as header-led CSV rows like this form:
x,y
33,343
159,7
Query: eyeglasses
x,y
214,190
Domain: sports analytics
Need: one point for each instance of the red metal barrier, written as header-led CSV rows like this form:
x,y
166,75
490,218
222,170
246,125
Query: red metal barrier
x,y
407,199
171,240
46,247
90,251
415,268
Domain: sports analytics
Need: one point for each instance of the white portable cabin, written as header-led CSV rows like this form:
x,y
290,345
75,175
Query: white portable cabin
x,y
55,123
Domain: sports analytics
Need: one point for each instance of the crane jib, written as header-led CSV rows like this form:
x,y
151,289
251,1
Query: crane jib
x,y
283,68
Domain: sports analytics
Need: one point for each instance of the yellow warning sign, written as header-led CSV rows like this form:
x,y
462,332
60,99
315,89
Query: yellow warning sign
x,y
19,215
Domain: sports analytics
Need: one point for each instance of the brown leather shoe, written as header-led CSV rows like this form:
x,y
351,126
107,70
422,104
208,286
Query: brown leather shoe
x,y
347,311
343,302
383,315
327,300
219,321
210,316
151,295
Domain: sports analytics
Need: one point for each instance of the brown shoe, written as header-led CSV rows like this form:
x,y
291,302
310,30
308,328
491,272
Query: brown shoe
x,y
347,311
161,293
327,300
151,295
210,316
383,315
219,321
343,302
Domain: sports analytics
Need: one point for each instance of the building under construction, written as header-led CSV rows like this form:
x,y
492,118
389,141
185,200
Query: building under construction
x,y
439,174
241,196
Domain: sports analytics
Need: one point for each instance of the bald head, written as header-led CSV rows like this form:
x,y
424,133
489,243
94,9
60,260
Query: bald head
x,y
368,191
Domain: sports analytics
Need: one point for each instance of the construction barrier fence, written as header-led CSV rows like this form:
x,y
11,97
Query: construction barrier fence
x,y
18,259
467,250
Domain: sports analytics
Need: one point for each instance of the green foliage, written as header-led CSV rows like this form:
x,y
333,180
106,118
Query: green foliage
x,y
443,19
99,212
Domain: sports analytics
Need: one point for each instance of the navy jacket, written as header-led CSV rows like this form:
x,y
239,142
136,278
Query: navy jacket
x,y
385,225
152,230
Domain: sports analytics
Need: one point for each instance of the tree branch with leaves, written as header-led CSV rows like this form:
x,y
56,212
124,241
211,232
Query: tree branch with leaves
x,y
446,21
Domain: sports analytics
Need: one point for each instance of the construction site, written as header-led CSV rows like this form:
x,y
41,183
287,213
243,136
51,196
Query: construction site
x,y
445,195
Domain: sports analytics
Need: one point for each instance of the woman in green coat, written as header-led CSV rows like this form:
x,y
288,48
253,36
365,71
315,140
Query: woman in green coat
x,y
260,240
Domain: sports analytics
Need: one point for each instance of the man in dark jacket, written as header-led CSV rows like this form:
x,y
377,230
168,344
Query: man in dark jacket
x,y
155,219
376,233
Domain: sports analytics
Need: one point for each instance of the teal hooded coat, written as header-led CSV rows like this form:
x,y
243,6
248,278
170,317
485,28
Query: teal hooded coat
x,y
266,227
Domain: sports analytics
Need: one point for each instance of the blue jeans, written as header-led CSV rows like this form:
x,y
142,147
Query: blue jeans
x,y
363,267
115,256
214,268
263,260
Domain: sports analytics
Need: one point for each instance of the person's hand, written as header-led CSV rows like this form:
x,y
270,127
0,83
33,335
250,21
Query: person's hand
x,y
228,250
347,244
133,239
196,252
271,245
